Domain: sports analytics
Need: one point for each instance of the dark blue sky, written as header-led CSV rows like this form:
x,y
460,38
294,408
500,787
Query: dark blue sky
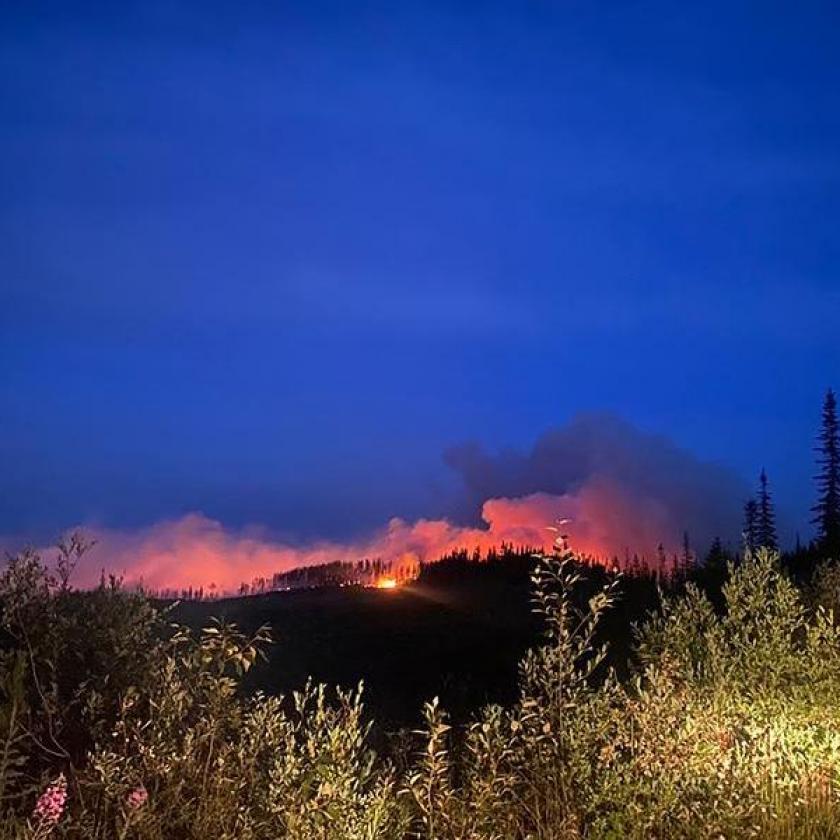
x,y
269,262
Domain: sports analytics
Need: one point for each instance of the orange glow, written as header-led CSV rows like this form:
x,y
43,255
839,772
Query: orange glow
x,y
605,520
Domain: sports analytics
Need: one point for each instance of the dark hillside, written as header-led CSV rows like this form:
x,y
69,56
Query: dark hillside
x,y
458,632
460,640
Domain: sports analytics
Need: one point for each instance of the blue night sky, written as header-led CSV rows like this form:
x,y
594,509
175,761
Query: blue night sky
x,y
269,262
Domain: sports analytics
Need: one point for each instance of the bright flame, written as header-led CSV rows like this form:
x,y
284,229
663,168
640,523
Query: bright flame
x,y
386,583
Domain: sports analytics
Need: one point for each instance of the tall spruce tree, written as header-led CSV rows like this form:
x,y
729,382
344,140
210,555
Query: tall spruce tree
x,y
766,536
751,525
827,509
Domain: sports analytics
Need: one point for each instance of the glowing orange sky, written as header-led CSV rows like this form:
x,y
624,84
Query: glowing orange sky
x,y
606,519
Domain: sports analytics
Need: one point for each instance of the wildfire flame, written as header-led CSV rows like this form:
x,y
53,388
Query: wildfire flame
x,y
620,493
602,519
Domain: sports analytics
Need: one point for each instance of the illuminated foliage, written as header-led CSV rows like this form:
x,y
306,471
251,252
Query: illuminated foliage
x,y
729,726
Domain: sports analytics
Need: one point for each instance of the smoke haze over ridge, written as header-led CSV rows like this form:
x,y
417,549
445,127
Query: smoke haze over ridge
x,y
623,490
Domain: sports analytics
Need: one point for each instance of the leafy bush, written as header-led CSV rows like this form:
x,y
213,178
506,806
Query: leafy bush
x,y
115,723
730,728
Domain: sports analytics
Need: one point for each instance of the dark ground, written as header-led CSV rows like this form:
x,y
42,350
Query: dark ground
x,y
458,633
459,642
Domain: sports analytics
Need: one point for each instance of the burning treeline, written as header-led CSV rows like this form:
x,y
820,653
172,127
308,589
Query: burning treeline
x,y
380,574
197,555
625,494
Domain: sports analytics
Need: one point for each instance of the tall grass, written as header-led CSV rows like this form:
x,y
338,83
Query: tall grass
x,y
116,724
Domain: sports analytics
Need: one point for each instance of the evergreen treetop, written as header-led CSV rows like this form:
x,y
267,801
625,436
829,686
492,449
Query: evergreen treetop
x,y
827,509
766,536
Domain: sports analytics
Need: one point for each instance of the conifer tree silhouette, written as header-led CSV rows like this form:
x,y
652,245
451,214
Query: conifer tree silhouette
x,y
827,509
717,557
766,536
750,534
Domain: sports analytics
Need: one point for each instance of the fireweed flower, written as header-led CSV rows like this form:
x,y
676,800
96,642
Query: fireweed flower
x,y
50,805
137,798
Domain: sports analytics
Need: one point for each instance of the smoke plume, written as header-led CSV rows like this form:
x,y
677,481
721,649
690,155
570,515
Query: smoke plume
x,y
622,491
634,489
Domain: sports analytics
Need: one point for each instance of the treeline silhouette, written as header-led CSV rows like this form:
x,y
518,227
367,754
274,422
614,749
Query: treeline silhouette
x,y
672,568
366,572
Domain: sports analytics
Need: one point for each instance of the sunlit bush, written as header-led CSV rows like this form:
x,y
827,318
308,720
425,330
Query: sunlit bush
x,y
116,724
731,727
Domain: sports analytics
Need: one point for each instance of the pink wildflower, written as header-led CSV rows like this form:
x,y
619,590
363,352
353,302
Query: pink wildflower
x,y
50,804
137,798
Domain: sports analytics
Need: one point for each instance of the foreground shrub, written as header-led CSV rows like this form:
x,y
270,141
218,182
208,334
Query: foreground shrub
x,y
116,724
156,740
731,727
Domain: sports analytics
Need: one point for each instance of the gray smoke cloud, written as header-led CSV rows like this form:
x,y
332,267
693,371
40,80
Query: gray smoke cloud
x,y
623,490
649,471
